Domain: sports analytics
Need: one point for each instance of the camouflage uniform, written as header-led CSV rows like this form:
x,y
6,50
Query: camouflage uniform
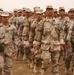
x,y
16,43
63,32
1,62
20,26
31,35
45,29
26,48
26,29
36,36
1,51
14,20
62,25
55,48
9,49
21,20
69,47
49,47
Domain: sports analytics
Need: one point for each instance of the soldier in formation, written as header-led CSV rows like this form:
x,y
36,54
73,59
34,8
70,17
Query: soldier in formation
x,y
38,37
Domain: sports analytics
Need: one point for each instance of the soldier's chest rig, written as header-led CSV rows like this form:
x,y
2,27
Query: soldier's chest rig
x,y
7,37
37,26
47,27
8,33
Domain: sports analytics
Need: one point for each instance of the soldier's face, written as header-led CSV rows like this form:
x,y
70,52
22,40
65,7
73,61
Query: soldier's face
x,y
55,14
61,12
15,13
5,19
19,13
28,14
39,17
71,14
23,13
49,12
10,15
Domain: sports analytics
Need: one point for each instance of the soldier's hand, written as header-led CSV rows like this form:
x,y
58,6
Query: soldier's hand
x,y
69,45
62,48
14,54
63,45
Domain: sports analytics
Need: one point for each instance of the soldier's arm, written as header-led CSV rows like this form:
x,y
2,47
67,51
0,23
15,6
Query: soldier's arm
x,y
26,28
32,32
69,33
2,35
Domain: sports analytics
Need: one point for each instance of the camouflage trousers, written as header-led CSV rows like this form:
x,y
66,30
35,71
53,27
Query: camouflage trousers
x,y
16,49
73,64
68,57
8,60
1,63
54,59
46,56
7,66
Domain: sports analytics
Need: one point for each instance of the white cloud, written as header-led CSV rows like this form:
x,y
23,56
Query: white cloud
x,y
9,5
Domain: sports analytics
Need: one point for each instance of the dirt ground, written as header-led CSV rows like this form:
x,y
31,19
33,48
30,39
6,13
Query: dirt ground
x,y
21,68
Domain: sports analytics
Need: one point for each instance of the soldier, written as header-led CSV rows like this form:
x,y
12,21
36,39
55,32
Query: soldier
x,y
31,35
50,52
24,12
45,42
1,47
35,8
55,13
62,21
20,26
31,19
21,20
70,42
56,44
13,19
7,31
36,36
27,25
62,25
